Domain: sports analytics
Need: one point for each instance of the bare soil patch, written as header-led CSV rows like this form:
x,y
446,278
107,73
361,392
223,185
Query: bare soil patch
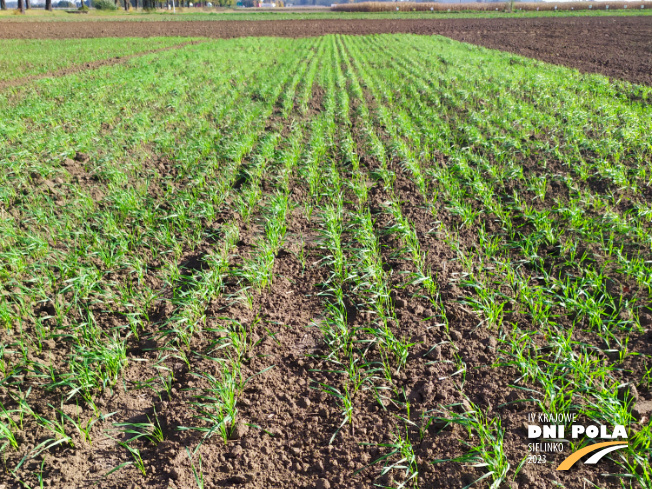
x,y
619,47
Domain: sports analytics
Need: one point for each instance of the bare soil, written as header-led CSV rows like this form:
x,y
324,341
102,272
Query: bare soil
x,y
619,47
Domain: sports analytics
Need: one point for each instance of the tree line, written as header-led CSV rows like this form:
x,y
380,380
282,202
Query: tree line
x,y
23,5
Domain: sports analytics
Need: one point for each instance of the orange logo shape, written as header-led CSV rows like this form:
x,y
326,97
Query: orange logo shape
x,y
608,447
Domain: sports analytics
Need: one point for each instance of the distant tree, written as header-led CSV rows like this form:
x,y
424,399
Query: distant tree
x,y
104,4
48,5
3,5
21,6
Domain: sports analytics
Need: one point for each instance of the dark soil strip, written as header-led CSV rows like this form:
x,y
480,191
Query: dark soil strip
x,y
616,47
620,47
70,70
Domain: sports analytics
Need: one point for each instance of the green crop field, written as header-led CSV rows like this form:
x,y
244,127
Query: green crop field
x,y
319,262
43,56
